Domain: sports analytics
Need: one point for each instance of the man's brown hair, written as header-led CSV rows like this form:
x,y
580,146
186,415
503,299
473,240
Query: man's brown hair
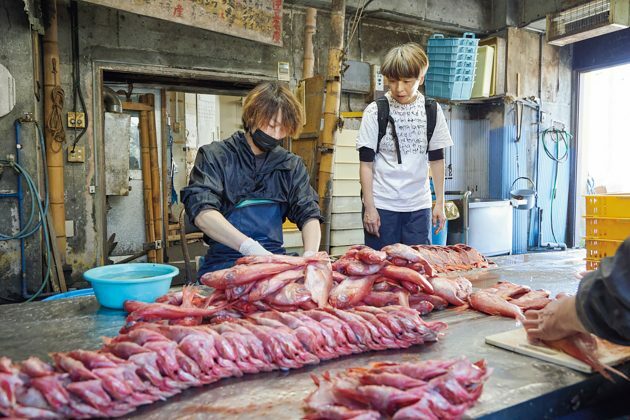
x,y
264,102
407,61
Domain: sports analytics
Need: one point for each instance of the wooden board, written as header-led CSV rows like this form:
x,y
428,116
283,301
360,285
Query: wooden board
x,y
347,204
346,237
516,341
346,188
346,154
260,20
347,171
346,221
347,137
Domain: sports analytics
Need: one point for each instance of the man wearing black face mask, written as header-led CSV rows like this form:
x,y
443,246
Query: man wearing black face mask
x,y
241,189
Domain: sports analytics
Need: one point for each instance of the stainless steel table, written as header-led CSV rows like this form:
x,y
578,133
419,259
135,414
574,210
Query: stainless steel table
x,y
520,387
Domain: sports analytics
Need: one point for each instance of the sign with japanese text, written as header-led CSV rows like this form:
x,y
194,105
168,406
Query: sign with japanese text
x,y
257,20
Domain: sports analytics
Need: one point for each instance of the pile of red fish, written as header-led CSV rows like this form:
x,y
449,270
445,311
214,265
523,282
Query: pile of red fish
x,y
396,275
153,361
513,300
508,299
431,389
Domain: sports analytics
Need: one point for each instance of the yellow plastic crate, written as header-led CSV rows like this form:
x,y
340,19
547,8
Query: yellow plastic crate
x,y
596,249
607,228
592,265
612,206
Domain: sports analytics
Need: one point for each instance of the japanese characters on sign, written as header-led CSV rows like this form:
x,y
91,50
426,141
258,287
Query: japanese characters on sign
x,y
257,20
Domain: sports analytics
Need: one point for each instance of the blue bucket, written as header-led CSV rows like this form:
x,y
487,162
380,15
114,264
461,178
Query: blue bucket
x,y
70,295
439,238
145,282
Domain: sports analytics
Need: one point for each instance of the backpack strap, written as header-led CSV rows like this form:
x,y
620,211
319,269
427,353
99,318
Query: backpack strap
x,y
430,106
382,105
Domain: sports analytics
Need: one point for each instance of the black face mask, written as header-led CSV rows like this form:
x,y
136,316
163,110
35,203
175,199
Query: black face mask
x,y
264,141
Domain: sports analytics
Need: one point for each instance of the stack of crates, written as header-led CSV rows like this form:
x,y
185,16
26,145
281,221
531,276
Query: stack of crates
x,y
452,63
607,226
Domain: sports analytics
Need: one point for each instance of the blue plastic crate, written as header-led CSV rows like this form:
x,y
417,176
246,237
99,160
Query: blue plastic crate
x,y
452,49
449,90
438,40
450,71
453,64
460,56
430,77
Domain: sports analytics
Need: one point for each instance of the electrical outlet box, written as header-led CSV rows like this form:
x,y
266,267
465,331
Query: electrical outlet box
x,y
77,155
76,120
69,228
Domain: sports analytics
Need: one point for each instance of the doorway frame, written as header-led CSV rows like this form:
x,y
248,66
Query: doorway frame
x,y
99,68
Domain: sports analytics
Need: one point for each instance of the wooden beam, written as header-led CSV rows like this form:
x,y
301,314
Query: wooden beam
x,y
136,106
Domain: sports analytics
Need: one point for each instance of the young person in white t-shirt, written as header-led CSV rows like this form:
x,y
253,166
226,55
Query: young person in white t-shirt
x,y
394,173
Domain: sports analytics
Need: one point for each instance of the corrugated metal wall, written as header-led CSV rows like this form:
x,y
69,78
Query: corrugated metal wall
x,y
468,158
508,161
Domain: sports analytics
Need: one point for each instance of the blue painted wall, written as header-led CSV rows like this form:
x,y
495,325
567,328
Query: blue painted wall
x,y
503,169
602,51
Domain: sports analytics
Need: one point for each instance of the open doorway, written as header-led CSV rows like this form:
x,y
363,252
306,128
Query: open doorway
x,y
185,116
603,127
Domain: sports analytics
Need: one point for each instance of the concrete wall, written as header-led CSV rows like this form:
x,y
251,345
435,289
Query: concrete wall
x,y
16,56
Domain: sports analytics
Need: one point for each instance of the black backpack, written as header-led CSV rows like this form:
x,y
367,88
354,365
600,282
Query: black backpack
x,y
382,104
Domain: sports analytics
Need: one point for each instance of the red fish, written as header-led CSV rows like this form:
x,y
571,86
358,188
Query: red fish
x,y
371,256
493,304
282,259
583,347
402,251
242,274
264,288
536,299
351,291
454,291
407,274
318,281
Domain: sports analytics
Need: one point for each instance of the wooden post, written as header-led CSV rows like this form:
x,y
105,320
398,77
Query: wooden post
x,y
165,186
53,99
149,99
149,221
309,31
327,137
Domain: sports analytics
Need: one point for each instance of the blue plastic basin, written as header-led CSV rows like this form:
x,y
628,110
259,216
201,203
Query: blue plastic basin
x,y
70,295
145,282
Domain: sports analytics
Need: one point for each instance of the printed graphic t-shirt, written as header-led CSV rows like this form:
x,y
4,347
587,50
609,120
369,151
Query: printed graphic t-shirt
x,y
403,187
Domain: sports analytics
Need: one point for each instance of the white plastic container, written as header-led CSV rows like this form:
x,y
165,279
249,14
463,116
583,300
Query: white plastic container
x,y
483,72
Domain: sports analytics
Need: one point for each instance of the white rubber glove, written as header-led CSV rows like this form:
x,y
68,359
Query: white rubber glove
x,y
252,247
308,254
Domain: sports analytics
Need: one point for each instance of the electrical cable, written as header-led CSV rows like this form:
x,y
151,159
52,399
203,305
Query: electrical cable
x,y
557,137
42,209
54,123
76,73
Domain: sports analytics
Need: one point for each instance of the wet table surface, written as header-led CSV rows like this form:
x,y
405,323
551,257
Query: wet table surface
x,y
519,387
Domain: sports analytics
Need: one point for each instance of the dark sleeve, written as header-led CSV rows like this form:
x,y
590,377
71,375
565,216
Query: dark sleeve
x,y
205,187
366,154
437,154
303,200
603,298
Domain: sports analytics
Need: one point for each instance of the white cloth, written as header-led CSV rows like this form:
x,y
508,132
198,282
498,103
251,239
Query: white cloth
x,y
403,187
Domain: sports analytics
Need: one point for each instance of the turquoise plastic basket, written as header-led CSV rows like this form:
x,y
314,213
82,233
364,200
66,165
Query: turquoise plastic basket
x,y
438,40
145,282
449,90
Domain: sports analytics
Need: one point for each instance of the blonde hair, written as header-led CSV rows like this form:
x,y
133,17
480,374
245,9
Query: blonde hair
x,y
264,102
407,61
